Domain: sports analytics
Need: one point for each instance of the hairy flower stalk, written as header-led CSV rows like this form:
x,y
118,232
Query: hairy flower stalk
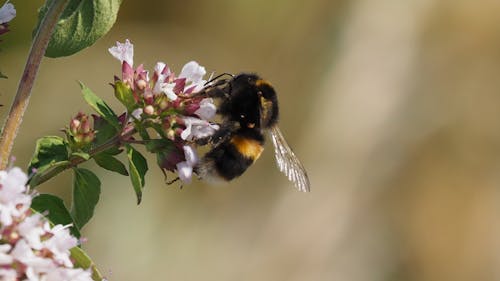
x,y
30,248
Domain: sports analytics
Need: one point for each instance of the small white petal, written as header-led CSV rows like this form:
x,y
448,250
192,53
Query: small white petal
x,y
5,258
193,72
207,109
137,113
197,129
31,230
190,155
166,88
186,133
73,274
123,52
159,67
8,274
185,171
60,244
7,13
169,91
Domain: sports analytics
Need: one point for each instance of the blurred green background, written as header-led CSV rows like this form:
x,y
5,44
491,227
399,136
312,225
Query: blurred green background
x,y
393,107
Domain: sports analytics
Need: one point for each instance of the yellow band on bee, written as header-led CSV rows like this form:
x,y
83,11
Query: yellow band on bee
x,y
262,82
247,147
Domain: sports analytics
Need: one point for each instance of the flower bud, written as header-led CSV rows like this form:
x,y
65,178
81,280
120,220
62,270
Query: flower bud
x,y
148,97
141,84
80,130
74,124
171,134
149,110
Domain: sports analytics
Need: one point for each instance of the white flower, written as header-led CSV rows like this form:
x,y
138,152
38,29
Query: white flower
x,y
31,230
185,168
207,109
197,129
35,265
73,274
123,52
7,12
193,72
61,243
162,86
159,68
5,257
13,200
167,88
8,274
40,252
137,113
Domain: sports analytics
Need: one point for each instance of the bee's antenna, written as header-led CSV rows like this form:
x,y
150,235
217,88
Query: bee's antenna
x,y
217,77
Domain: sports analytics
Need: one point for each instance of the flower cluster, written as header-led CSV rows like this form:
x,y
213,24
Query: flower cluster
x,y
167,103
80,131
7,13
31,249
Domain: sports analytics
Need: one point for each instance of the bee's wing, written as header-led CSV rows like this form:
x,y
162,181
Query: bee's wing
x,y
287,162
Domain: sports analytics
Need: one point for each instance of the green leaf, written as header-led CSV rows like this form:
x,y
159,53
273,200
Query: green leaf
x,y
48,150
81,24
3,75
53,208
157,145
86,191
51,155
110,163
100,106
105,132
82,260
138,167
125,95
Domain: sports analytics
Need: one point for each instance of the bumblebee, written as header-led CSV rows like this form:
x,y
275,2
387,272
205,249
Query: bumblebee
x,y
249,108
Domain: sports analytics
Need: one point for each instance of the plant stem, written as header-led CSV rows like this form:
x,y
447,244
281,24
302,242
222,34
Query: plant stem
x,y
112,142
21,100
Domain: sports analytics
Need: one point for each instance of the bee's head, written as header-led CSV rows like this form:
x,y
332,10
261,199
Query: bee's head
x,y
262,95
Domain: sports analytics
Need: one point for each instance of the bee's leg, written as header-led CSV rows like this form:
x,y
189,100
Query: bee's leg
x,y
218,89
203,141
211,92
172,181
219,136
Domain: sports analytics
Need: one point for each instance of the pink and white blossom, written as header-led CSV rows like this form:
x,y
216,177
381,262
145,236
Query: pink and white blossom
x,y
123,52
197,129
185,168
7,12
207,109
30,248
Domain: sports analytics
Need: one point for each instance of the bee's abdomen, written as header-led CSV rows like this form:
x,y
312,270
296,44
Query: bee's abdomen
x,y
232,158
249,148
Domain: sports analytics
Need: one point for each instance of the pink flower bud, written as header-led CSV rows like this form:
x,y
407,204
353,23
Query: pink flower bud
x,y
149,109
148,97
74,125
163,104
171,134
85,127
141,84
